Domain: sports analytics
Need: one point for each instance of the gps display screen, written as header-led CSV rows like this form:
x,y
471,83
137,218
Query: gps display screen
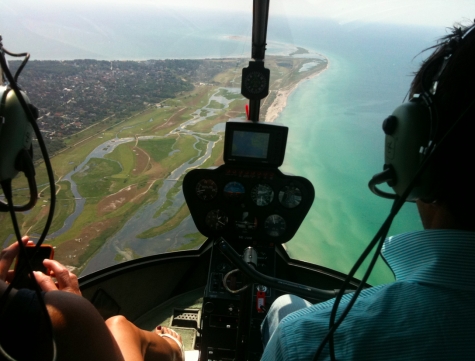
x,y
250,144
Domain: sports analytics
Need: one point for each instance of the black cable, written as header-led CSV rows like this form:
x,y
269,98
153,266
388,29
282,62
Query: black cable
x,y
41,143
7,184
23,63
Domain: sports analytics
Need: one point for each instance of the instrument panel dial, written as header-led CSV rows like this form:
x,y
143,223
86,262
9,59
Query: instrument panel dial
x,y
262,194
234,191
216,219
275,225
290,196
206,189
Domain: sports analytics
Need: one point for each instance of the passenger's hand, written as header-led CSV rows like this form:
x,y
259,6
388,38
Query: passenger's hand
x,y
7,256
65,280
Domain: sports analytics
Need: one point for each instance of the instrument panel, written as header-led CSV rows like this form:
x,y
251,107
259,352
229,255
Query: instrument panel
x,y
247,203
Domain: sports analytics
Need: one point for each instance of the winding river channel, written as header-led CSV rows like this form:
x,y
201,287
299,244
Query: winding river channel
x,y
125,238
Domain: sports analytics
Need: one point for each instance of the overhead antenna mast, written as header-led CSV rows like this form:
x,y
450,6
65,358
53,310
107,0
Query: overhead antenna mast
x,y
255,78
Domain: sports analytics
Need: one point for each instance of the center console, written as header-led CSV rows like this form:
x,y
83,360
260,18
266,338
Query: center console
x,y
253,206
224,314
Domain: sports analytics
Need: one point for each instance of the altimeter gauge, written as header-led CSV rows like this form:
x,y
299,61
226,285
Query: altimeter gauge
x,y
216,219
290,196
262,194
206,189
275,225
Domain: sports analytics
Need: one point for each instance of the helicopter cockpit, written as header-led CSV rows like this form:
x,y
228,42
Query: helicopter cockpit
x,y
247,209
205,242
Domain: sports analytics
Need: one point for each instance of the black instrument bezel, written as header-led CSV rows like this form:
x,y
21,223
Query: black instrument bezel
x,y
249,177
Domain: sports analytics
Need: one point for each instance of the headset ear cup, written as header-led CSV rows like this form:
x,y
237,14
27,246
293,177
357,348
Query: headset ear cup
x,y
16,134
407,136
16,146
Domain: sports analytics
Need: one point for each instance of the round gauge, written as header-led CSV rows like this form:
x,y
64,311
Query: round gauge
x,y
246,223
262,194
255,82
234,191
216,219
275,225
206,189
290,196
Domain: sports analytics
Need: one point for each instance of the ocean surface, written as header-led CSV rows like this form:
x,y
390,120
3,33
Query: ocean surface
x,y
335,119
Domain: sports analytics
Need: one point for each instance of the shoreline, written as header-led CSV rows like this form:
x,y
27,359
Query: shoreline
x,y
280,101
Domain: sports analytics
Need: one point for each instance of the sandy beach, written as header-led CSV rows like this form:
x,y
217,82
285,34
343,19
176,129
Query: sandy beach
x,y
282,95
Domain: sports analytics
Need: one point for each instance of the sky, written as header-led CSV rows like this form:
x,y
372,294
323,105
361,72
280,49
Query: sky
x,y
32,24
422,12
427,12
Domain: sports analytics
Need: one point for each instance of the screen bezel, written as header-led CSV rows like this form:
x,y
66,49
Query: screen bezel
x,y
275,147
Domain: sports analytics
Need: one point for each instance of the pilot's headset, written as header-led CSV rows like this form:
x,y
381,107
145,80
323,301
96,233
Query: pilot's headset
x,y
16,134
412,133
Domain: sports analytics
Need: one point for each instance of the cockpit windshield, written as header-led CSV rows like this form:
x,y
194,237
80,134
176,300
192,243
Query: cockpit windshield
x,y
134,94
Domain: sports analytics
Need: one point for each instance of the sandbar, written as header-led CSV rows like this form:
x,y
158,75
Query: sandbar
x,y
280,101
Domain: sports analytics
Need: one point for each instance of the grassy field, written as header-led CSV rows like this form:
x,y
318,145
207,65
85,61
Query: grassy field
x,y
64,207
229,95
213,104
124,155
207,124
212,138
201,145
195,241
96,181
158,149
167,226
170,197
185,151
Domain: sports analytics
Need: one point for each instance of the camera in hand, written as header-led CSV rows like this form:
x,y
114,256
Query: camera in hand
x,y
36,257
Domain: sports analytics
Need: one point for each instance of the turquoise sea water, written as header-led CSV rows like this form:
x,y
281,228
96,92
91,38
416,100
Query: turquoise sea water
x,y
336,139
335,119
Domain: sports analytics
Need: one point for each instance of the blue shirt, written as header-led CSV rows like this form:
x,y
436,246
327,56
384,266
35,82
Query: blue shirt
x,y
428,313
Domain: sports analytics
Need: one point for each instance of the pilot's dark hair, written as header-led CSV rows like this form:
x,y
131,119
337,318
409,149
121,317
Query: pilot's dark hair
x,y
454,100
